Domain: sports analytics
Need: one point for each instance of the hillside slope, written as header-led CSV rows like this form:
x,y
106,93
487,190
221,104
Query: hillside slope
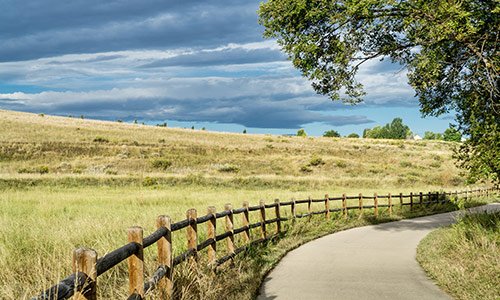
x,y
122,153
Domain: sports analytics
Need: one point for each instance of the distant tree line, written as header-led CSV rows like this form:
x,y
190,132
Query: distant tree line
x,y
451,135
394,130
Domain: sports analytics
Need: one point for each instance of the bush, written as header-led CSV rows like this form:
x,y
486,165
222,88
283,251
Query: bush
x,y
42,169
228,168
100,139
316,161
341,164
161,164
306,169
353,136
148,181
301,132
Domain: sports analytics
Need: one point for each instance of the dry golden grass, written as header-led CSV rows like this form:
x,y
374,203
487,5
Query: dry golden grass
x,y
69,182
83,148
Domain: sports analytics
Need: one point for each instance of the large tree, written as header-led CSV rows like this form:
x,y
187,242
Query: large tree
x,y
394,130
450,49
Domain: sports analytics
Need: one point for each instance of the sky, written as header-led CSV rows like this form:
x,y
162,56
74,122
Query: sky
x,y
186,63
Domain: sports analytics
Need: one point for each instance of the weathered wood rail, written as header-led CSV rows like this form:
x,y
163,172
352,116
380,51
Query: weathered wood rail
x,y
87,267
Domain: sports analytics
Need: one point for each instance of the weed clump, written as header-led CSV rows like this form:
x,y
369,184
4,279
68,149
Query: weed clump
x,y
306,169
100,139
161,164
228,168
148,181
316,161
35,170
341,164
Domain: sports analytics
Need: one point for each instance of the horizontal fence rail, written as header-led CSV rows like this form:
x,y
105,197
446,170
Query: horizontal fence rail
x,y
87,267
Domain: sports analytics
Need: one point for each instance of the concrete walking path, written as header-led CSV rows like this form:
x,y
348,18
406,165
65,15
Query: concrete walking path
x,y
371,262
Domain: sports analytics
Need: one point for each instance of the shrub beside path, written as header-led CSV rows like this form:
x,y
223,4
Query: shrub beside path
x,y
371,262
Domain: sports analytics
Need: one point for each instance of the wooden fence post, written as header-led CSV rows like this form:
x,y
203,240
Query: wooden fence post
x,y
246,222
278,215
84,261
389,196
263,234
309,207
429,199
293,210
360,199
375,204
192,233
230,228
327,207
401,201
411,201
420,200
344,205
136,263
211,234
165,257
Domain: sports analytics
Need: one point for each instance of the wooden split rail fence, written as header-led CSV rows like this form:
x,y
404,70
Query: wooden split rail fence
x,y
87,267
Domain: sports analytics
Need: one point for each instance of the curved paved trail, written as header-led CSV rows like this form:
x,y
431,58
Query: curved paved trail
x,y
371,262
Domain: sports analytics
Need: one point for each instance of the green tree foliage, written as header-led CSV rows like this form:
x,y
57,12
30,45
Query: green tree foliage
x,y
353,136
394,130
429,135
331,133
452,135
450,49
301,132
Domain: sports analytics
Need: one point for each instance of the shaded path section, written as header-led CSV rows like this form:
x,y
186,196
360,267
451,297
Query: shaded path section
x,y
371,262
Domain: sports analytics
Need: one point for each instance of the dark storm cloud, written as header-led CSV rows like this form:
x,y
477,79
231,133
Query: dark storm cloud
x,y
164,59
248,110
221,57
33,29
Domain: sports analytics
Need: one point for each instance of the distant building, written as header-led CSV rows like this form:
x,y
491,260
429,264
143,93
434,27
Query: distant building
x,y
417,137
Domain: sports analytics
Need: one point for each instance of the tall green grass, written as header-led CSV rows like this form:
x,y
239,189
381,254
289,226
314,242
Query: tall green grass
x,y
464,258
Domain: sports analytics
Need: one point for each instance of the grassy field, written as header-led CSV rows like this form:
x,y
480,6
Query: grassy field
x,y
67,182
121,153
464,258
